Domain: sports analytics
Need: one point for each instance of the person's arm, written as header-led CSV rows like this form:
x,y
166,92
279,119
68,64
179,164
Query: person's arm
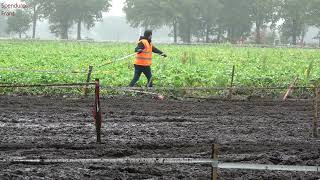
x,y
140,48
156,50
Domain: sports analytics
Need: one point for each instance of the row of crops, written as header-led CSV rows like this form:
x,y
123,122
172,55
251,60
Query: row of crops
x,y
186,66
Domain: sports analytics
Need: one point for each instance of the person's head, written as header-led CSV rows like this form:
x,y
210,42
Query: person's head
x,y
148,34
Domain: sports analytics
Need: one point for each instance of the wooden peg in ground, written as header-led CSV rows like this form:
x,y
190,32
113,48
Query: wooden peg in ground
x,y
290,89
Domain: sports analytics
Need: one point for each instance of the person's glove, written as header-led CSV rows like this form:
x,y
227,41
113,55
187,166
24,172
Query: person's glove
x,y
163,55
140,51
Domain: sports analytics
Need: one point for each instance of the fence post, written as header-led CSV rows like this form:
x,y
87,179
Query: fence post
x,y
231,83
316,114
97,111
290,89
85,89
215,153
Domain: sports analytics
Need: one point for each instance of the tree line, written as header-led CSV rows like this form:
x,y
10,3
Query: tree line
x,y
225,20
203,20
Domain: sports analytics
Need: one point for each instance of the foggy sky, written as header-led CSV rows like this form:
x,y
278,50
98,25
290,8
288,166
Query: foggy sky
x,y
116,9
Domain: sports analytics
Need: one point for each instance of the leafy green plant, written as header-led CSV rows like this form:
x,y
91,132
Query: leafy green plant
x,y
191,66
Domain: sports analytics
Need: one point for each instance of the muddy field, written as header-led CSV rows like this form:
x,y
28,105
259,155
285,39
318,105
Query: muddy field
x,y
248,132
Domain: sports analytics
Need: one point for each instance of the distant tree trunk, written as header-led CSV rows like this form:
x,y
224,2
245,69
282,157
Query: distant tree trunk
x,y
229,35
294,32
303,35
189,34
175,31
258,32
219,34
20,35
34,21
233,38
79,30
64,32
207,33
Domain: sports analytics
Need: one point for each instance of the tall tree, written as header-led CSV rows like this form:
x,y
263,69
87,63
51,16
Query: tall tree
x,y
314,13
61,16
207,18
170,15
20,23
187,18
37,12
235,18
263,12
88,12
296,16
144,13
178,14
208,15
64,13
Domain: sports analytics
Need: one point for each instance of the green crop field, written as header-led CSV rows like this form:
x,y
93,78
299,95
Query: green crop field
x,y
186,66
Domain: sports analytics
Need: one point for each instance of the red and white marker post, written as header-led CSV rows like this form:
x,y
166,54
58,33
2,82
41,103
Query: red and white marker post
x,y
97,111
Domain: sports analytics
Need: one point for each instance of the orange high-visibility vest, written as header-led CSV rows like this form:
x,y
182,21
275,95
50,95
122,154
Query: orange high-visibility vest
x,y
145,58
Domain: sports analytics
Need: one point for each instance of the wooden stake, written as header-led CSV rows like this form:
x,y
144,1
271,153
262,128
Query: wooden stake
x,y
97,111
315,123
85,89
231,83
290,89
215,153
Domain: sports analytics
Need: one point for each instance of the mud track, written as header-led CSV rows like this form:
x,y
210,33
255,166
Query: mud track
x,y
249,132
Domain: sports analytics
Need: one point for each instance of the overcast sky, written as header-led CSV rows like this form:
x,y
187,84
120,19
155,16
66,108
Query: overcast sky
x,y
116,9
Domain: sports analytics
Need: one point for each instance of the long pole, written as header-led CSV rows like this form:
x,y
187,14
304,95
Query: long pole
x,y
157,161
120,59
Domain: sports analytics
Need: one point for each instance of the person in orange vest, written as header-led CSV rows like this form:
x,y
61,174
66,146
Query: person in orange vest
x,y
143,60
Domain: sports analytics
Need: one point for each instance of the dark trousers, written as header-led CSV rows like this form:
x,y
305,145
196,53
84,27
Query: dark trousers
x,y
138,70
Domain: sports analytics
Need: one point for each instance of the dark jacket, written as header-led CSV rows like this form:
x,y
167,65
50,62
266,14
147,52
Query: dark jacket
x,y
141,46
